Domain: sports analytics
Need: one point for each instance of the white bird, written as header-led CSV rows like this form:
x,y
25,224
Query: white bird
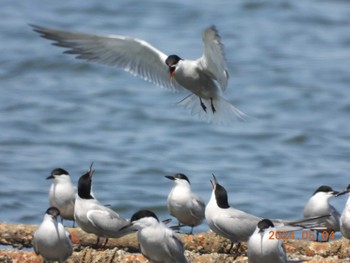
x,y
319,204
51,240
93,217
206,78
157,242
238,225
345,216
183,204
264,249
62,193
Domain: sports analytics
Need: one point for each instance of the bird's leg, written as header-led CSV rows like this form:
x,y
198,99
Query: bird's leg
x,y
73,224
191,231
105,243
229,250
203,105
212,105
98,241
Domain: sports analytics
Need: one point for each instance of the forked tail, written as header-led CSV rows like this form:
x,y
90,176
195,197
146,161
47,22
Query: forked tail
x,y
217,111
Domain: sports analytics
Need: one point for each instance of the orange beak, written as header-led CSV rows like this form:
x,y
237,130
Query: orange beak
x,y
172,72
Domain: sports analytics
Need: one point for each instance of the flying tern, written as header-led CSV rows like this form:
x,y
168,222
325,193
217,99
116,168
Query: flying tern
x,y
206,77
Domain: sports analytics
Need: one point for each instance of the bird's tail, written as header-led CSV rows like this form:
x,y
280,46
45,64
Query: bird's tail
x,y
217,111
315,223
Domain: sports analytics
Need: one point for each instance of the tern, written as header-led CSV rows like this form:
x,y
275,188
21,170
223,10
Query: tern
x,y
157,242
93,217
51,240
62,193
318,204
206,77
183,204
345,216
238,225
264,249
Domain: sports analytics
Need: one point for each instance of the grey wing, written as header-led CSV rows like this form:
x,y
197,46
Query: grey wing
x,y
336,216
239,225
282,252
175,248
307,222
198,207
108,222
213,58
334,212
68,243
130,54
35,245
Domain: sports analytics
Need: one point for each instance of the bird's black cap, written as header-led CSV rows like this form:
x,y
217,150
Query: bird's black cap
x,y
172,60
143,213
179,176
265,224
325,189
53,211
57,171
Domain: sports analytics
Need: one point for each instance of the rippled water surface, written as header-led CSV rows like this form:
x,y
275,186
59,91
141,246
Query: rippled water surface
x,y
289,67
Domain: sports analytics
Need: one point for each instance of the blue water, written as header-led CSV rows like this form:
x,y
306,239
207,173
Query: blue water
x,y
289,64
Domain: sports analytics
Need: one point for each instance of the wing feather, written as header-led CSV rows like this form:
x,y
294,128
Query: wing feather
x,y
109,223
238,227
130,54
198,207
175,248
213,57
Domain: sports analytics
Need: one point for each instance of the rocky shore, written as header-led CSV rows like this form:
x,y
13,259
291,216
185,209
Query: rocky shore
x,y
201,248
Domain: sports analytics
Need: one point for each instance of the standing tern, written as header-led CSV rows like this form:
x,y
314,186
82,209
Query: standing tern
x,y
206,77
62,193
93,217
319,204
157,242
263,249
51,240
183,204
226,221
238,225
345,216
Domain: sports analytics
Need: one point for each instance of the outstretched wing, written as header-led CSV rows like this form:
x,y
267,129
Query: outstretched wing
x,y
130,54
213,58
